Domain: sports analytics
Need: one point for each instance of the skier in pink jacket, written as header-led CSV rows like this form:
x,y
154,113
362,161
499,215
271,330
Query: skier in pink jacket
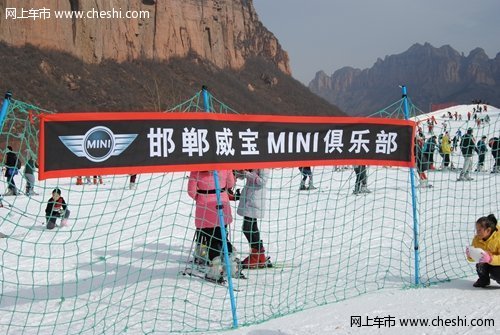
x,y
201,188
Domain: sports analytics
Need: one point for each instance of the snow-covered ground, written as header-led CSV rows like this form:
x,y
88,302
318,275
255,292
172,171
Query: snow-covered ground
x,y
456,301
116,268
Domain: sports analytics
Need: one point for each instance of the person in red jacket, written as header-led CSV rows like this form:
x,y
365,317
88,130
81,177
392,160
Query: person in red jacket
x,y
56,208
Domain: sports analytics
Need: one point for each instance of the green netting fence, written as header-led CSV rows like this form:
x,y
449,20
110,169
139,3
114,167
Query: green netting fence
x,y
116,268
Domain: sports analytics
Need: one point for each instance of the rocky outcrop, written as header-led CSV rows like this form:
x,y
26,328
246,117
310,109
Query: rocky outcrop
x,y
224,32
152,62
432,75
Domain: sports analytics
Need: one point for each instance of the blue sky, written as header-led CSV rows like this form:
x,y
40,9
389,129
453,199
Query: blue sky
x,y
330,34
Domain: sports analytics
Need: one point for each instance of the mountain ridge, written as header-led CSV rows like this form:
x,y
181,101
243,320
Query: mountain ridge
x,y
432,75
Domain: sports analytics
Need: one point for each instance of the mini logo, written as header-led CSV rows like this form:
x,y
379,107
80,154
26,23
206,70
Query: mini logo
x,y
98,144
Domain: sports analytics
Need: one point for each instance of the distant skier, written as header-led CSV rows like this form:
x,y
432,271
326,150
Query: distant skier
x,y
29,175
482,149
467,146
132,183
494,144
12,165
445,149
306,173
422,162
430,147
456,140
361,180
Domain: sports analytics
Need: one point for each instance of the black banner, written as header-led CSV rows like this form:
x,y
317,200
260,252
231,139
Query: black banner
x,y
117,143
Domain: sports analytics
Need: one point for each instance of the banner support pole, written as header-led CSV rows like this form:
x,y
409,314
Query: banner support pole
x,y
206,104
5,107
413,200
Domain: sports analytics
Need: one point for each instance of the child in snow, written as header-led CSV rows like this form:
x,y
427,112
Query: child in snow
x,y
252,207
56,208
201,188
487,238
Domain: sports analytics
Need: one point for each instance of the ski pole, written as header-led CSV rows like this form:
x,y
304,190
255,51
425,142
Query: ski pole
x,y
190,250
288,182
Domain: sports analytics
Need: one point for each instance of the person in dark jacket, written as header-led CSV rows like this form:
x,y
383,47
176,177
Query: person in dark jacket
x,y
430,147
306,173
494,144
29,169
456,140
56,208
481,149
361,183
132,184
468,146
422,162
12,165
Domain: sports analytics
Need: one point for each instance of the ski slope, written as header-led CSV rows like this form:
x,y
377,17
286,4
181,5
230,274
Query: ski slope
x,y
116,267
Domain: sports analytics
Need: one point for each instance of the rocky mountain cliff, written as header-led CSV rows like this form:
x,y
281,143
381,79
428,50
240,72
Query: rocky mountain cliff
x,y
225,32
432,75
220,43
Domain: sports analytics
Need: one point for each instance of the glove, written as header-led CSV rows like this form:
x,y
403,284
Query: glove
x,y
485,257
234,196
237,194
467,252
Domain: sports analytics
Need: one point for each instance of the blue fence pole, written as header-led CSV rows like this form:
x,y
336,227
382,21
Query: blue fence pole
x,y
5,107
206,104
413,200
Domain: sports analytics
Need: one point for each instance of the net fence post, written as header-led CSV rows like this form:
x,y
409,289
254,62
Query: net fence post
x,y
413,200
206,104
5,107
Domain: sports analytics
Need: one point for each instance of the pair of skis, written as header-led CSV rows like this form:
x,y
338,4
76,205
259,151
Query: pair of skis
x,y
196,271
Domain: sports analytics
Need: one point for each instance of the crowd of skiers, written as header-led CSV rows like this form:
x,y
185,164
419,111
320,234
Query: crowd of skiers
x,y
213,206
465,144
